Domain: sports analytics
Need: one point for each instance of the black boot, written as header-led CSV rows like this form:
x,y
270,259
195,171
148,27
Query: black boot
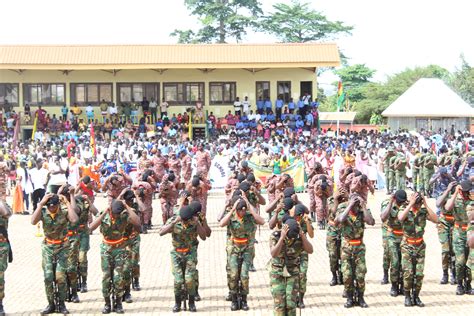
x,y
228,298
453,277
118,308
127,297
340,281
333,280
444,278
62,308
50,309
417,301
136,284
2,311
74,296
468,288
245,306
394,289
408,301
177,304
79,283
385,277
301,302
460,289
234,305
362,302
107,306
344,294
84,285
350,302
197,297
400,290
252,268
192,306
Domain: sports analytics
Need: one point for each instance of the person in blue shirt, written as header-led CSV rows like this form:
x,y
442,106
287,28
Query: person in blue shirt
x,y
271,117
301,107
268,105
260,105
299,123
291,106
309,120
263,117
64,111
278,106
284,115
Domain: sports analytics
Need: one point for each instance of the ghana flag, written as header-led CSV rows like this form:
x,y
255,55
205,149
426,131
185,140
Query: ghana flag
x,y
92,141
340,96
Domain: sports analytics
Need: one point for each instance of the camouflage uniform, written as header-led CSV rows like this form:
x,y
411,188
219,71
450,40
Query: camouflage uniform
x,y
445,236
132,265
241,230
304,260
416,174
333,239
284,274
55,247
386,168
184,253
386,250
113,254
353,251
413,250
461,250
4,255
400,172
391,173
429,162
394,239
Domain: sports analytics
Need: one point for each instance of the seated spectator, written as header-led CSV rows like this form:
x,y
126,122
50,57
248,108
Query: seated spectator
x,y
291,106
90,113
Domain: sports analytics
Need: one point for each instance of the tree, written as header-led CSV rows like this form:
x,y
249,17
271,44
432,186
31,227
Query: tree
x,y
297,22
353,79
463,81
220,19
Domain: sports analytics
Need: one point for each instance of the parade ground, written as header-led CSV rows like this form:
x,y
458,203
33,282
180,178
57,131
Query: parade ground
x,y
25,294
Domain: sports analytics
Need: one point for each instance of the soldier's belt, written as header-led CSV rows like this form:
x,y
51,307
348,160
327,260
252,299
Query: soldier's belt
x,y
462,226
447,217
114,242
354,242
396,232
55,241
71,233
3,239
240,241
182,250
414,241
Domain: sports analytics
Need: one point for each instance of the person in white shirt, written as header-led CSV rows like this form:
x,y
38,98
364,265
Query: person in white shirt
x,y
57,166
153,110
25,181
113,111
164,108
39,178
246,105
90,113
238,107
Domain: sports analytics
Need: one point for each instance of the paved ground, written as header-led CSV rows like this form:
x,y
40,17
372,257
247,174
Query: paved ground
x,y
25,290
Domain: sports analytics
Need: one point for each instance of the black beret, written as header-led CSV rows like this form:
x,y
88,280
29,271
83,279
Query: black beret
x,y
300,209
244,186
288,203
117,207
400,196
186,213
251,177
294,229
128,195
242,204
195,182
466,185
195,206
288,192
53,200
241,177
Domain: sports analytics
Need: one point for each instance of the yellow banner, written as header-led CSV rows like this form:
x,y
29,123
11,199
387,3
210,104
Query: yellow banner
x,y
296,172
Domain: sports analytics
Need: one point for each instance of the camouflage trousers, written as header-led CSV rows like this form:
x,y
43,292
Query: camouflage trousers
x,y
389,179
4,247
353,266
187,277
132,265
386,251
461,252
413,264
400,178
321,208
113,259
445,235
303,272
228,250
84,246
166,210
72,261
334,253
245,253
427,174
54,255
395,258
284,292
312,202
147,214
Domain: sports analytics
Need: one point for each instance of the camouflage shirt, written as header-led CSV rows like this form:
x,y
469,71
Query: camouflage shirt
x,y
130,227
55,226
332,229
3,225
415,223
460,210
114,229
289,256
183,237
393,224
242,227
429,161
353,227
83,206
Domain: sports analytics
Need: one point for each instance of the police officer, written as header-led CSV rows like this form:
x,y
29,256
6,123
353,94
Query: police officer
x,y
184,228
390,209
352,220
5,249
286,246
56,213
113,225
413,219
241,220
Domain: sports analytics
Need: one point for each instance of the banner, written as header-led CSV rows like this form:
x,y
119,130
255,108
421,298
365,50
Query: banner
x,y
219,172
296,172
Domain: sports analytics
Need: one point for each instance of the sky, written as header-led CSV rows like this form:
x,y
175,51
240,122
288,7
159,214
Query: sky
x,y
388,36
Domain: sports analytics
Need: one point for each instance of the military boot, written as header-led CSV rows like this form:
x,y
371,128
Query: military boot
x,y
408,301
118,308
417,301
74,296
334,279
340,281
468,288
385,277
460,288
62,308
252,267
234,305
444,278
79,282
84,285
228,298
136,284
197,297
50,309
394,289
2,311
453,277
361,300
300,301
350,300
107,306
127,297
245,306
177,304
192,306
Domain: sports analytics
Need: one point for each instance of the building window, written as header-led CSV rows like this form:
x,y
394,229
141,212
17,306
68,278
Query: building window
x,y
284,89
91,93
138,91
183,92
9,94
44,93
262,90
222,92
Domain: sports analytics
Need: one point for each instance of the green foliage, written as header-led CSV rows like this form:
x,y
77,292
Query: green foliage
x,y
297,22
220,20
463,81
354,78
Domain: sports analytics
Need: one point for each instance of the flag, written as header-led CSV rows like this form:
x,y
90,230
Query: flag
x,y
35,124
92,141
340,96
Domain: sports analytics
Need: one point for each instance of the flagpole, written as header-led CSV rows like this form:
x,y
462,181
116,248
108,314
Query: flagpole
x,y
337,127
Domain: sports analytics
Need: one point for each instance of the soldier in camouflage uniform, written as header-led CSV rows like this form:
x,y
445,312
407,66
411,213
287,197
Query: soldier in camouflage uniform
x,y
333,236
5,249
429,163
113,226
386,253
391,173
389,214
400,167
242,220
389,181
286,246
351,220
445,234
416,172
413,219
459,203
184,228
56,213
